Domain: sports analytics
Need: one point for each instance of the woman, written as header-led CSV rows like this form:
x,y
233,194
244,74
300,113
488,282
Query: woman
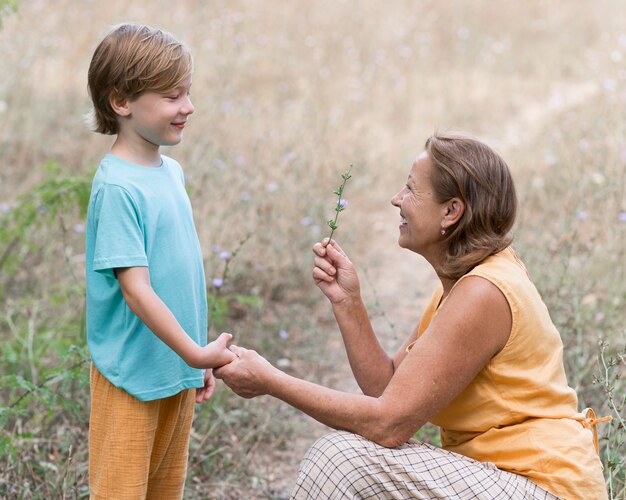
x,y
484,363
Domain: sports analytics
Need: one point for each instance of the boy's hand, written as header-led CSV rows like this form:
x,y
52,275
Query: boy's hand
x,y
217,353
204,393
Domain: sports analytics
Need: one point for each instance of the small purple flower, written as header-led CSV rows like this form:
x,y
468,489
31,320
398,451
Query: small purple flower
x,y
272,187
306,221
582,215
42,210
215,247
5,208
622,217
219,163
79,228
224,255
218,282
343,203
258,267
283,334
245,196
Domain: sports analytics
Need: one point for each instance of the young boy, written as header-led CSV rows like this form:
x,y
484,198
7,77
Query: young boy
x,y
146,292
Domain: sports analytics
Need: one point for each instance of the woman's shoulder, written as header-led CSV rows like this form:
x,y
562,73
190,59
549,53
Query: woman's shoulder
x,y
505,265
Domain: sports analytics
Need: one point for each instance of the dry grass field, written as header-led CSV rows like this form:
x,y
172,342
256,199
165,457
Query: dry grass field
x,y
287,95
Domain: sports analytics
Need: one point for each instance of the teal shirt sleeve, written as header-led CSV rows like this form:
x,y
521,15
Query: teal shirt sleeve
x,y
119,235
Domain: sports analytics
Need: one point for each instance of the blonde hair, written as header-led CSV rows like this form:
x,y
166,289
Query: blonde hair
x,y
130,60
470,170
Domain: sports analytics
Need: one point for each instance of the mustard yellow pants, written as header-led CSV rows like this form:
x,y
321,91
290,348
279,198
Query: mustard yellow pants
x,y
137,449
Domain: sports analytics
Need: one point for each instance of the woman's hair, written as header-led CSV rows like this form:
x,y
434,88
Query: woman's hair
x,y
133,59
470,170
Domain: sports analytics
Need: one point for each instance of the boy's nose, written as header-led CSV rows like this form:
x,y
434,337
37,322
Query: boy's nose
x,y
188,107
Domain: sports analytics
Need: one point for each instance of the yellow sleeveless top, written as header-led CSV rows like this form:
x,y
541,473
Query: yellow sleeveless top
x,y
519,412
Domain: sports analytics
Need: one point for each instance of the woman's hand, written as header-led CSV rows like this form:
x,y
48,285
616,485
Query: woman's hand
x,y
334,274
248,374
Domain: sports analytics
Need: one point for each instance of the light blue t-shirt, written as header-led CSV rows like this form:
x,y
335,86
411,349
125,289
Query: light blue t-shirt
x,y
141,216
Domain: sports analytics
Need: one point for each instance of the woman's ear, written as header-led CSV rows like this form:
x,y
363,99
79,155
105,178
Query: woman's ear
x,y
455,208
119,105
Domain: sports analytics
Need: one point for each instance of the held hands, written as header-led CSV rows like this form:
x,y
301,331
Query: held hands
x,y
334,274
248,375
215,353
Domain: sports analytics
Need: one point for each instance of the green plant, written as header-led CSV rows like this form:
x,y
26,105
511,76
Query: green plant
x,y
220,303
7,6
341,203
44,376
608,377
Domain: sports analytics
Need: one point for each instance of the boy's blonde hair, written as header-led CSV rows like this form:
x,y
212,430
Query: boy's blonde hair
x,y
133,59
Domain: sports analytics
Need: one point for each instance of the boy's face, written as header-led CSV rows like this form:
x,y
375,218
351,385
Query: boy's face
x,y
157,119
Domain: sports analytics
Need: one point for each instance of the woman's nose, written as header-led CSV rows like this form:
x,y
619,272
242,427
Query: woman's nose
x,y
395,200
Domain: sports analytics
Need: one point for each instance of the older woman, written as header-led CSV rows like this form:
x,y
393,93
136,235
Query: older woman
x,y
484,363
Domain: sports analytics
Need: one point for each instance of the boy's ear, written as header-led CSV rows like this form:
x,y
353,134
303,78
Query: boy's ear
x,y
119,105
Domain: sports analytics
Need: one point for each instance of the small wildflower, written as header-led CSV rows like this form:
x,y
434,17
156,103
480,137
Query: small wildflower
x,y
341,203
224,255
306,221
245,196
220,163
582,215
622,217
283,334
5,208
79,228
272,187
215,247
258,267
218,282
42,210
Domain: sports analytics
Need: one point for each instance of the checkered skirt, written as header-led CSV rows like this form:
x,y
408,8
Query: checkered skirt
x,y
342,465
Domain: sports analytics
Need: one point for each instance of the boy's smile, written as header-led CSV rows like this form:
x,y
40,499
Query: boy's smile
x,y
152,120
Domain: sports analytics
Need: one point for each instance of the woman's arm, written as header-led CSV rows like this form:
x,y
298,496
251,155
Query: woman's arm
x,y
472,326
335,275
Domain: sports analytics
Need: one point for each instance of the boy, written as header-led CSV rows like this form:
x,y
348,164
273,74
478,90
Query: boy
x,y
146,292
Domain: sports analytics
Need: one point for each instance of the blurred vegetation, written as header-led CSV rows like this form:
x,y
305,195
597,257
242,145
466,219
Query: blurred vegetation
x,y
285,99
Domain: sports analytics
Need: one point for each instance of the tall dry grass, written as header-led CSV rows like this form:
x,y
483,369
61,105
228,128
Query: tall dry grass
x,y
287,95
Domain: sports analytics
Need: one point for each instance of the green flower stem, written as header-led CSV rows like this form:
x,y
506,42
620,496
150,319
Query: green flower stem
x,y
332,223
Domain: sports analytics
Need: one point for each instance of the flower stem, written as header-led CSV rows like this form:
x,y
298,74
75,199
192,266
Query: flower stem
x,y
332,223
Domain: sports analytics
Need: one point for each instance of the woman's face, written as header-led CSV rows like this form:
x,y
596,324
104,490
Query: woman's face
x,y
421,215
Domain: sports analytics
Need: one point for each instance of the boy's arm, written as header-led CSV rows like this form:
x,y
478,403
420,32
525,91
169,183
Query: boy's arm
x,y
146,304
